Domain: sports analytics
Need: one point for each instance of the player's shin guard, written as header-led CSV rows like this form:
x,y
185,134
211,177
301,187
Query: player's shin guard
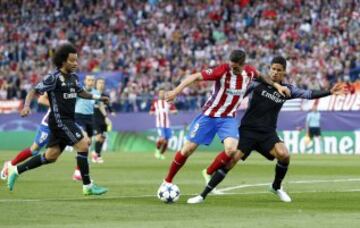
x,y
221,160
219,175
23,155
98,148
83,164
33,163
175,166
280,172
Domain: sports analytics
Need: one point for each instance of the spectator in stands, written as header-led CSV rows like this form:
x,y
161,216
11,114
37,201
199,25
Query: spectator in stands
x,y
152,45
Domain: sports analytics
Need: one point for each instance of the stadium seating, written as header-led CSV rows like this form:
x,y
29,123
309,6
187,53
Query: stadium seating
x,y
155,43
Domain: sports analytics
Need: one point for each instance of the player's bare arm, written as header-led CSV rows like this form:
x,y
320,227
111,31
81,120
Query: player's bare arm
x,y
283,90
26,109
90,96
170,96
102,109
44,100
337,89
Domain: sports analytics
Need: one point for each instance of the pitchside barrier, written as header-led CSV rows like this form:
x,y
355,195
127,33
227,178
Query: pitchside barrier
x,y
135,132
331,142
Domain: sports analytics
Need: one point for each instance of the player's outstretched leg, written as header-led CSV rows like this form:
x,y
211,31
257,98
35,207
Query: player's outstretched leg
x,y
216,179
89,188
14,171
96,155
218,176
159,145
176,164
21,156
221,159
98,149
179,160
163,150
281,153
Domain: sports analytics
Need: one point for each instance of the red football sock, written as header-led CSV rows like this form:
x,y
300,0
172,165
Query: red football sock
x,y
158,144
221,160
164,147
26,153
176,164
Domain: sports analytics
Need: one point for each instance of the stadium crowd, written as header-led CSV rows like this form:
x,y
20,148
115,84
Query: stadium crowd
x,y
154,43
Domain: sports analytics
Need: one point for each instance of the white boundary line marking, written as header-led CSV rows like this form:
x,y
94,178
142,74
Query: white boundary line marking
x,y
290,182
154,196
223,190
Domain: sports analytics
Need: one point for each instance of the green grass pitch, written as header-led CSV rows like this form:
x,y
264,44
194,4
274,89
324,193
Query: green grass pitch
x,y
325,192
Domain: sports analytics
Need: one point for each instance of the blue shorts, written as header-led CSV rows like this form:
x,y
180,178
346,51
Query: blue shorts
x,y
164,132
42,136
203,129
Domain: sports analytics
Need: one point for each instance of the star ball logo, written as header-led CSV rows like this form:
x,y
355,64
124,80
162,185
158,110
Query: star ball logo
x,y
209,71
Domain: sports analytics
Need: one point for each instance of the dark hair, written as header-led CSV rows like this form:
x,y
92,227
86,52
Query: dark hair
x,y
279,60
238,56
62,53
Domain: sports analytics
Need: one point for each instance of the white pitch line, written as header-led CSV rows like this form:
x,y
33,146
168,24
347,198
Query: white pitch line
x,y
223,190
293,192
290,182
75,199
154,196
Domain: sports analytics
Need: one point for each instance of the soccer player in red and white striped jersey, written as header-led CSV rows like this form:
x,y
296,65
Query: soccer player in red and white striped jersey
x,y
230,82
161,109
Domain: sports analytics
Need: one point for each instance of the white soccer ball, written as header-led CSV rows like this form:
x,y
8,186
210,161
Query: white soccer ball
x,y
168,193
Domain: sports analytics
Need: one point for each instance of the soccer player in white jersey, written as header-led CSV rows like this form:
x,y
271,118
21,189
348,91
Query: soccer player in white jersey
x,y
230,82
161,109
41,139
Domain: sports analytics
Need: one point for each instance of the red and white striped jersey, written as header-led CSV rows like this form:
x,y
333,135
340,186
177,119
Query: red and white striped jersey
x,y
161,108
228,90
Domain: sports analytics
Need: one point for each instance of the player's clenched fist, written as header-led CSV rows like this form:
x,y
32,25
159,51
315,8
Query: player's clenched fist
x,y
170,96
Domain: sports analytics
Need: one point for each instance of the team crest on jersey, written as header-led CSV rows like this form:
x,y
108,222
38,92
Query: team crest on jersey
x,y
62,80
209,71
